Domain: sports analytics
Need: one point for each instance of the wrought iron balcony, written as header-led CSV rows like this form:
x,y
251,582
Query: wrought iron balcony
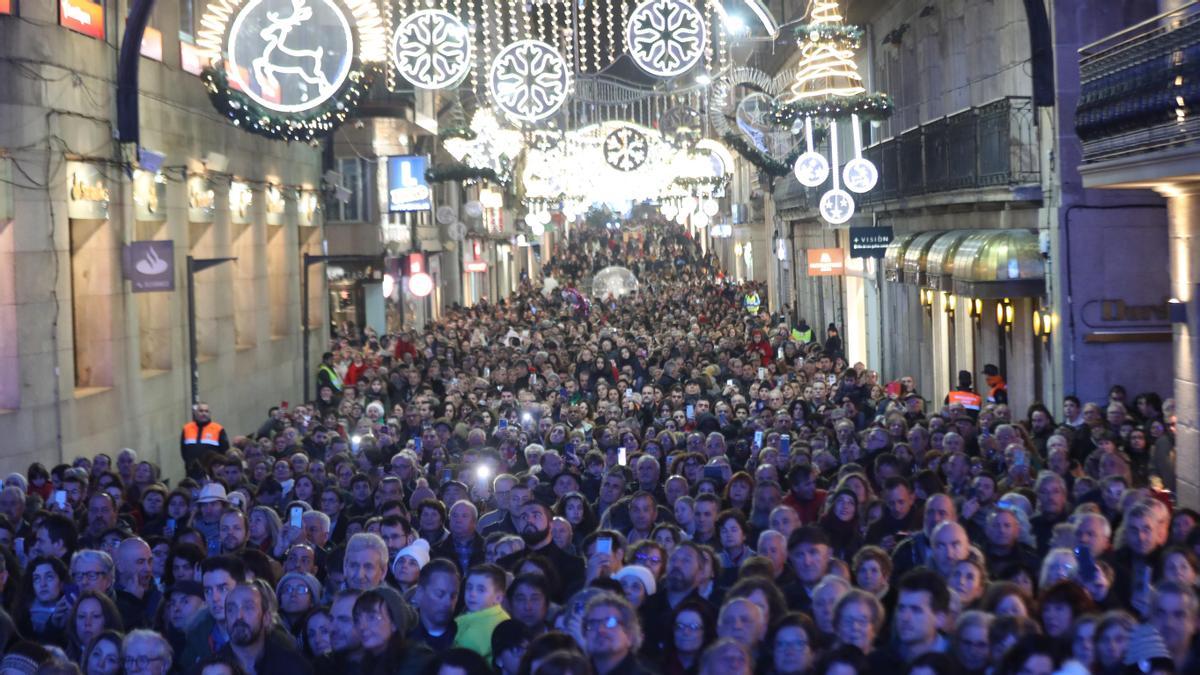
x,y
1139,87
989,146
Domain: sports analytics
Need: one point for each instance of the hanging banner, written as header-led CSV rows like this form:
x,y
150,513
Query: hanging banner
x,y
87,196
870,242
150,265
407,189
826,262
82,16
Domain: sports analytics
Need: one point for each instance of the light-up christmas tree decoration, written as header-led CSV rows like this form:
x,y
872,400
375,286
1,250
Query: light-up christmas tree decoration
x,y
827,89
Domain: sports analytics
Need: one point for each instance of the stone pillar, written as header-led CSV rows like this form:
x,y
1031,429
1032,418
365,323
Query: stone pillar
x,y
1183,214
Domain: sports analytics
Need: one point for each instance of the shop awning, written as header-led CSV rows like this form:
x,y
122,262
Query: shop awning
x,y
893,257
915,256
939,263
999,264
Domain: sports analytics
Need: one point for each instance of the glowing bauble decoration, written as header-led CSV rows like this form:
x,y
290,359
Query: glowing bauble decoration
x,y
669,210
837,206
529,81
420,284
681,218
389,285
473,209
445,215
860,175
812,169
626,149
432,49
538,229
665,37
700,220
710,207
456,231
688,206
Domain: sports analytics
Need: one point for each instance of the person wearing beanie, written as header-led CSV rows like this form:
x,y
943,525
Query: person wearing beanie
x,y
407,566
1148,652
298,593
637,582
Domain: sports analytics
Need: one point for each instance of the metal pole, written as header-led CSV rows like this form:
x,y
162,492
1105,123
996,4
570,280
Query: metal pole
x,y
304,322
191,300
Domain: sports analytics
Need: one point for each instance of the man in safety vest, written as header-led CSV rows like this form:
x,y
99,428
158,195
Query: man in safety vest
x,y
965,395
201,435
327,375
752,303
997,387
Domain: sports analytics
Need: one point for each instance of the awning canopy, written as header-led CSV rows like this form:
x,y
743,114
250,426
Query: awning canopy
x,y
999,264
893,257
916,255
939,263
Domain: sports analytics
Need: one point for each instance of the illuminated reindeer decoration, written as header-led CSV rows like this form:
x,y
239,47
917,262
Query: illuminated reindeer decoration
x,y
279,59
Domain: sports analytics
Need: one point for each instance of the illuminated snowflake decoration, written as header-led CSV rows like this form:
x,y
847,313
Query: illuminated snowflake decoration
x,y
529,81
665,37
432,49
626,149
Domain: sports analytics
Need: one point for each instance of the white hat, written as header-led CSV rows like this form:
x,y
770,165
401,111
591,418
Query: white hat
x,y
212,492
642,574
418,551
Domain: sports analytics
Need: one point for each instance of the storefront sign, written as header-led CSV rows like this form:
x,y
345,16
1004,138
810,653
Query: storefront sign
x,y
407,189
82,16
276,206
150,265
870,242
150,196
7,6
152,44
240,201
826,262
202,200
1109,313
88,194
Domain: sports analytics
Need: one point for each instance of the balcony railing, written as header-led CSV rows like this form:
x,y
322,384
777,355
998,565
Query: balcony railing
x,y
992,145
1140,87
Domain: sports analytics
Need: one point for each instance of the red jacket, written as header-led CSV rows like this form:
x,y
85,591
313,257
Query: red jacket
x,y
810,511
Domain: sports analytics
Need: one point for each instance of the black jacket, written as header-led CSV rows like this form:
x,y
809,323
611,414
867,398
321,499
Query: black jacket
x,y
279,656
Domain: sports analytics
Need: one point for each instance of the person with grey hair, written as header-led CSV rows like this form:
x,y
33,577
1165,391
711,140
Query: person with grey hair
x,y
366,561
1052,508
126,459
613,635
254,641
92,570
146,652
12,504
316,528
464,546
825,598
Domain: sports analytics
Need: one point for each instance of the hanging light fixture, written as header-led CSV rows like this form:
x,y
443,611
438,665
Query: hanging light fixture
x,y
828,89
420,283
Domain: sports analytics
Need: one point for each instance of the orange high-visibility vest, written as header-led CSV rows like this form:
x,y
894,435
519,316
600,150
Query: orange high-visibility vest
x,y
969,399
209,435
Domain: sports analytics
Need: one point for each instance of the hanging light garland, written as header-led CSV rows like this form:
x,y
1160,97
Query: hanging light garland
x,y
827,89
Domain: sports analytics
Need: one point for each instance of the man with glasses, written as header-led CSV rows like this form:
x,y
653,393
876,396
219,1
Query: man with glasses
x,y
146,652
92,570
613,634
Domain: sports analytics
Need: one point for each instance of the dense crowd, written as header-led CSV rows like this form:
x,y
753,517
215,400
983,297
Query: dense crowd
x,y
674,481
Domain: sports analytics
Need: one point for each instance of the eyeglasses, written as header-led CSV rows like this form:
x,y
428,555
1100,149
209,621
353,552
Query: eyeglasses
x,y
689,627
646,557
295,589
592,625
93,575
141,661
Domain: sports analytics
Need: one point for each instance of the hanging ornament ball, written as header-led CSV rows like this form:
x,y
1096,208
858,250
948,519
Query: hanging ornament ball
x,y
711,207
456,231
445,215
688,206
700,220
812,169
473,209
860,175
837,206
420,284
681,218
669,210
538,229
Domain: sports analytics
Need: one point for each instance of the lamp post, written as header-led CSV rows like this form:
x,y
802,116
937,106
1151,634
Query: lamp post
x,y
196,265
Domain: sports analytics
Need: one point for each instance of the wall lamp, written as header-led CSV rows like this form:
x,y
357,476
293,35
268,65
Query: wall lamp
x,y
1177,310
1005,314
1043,324
951,303
927,298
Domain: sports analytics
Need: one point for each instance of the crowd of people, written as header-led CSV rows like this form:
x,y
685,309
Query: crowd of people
x,y
674,481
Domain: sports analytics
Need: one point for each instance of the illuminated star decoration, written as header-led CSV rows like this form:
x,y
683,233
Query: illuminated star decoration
x,y
626,149
432,49
665,37
529,81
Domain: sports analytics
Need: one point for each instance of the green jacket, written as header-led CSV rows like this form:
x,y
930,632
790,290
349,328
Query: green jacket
x,y
475,630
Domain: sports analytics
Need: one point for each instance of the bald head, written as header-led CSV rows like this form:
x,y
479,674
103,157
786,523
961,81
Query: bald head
x,y
950,546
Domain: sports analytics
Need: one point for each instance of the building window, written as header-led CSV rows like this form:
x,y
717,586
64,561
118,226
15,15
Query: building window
x,y
187,20
353,204
94,261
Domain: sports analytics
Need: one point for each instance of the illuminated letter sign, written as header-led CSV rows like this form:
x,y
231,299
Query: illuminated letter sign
x,y
82,16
